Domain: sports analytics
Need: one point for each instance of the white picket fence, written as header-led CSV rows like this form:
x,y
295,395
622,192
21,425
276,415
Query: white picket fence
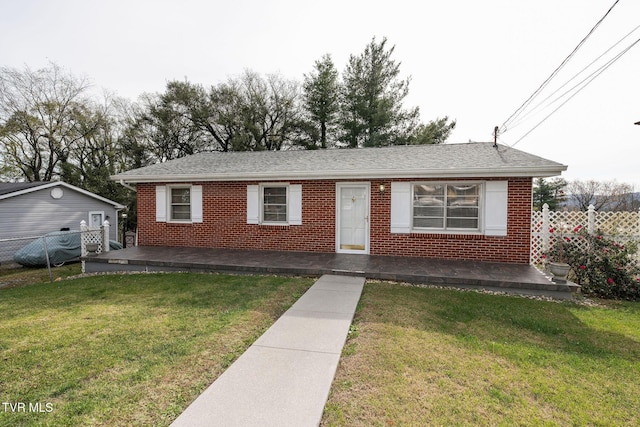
x,y
622,227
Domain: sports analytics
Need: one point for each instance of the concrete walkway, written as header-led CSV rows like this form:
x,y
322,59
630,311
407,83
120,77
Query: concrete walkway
x,y
284,378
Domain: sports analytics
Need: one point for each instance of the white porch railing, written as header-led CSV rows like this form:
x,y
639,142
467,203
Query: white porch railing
x,y
93,240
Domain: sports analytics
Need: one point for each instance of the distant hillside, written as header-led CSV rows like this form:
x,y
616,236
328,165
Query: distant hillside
x,y
630,202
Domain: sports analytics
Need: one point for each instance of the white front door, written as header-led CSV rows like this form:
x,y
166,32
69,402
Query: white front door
x,y
352,217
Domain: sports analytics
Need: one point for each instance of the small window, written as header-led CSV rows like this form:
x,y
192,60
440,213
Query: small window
x,y
274,204
180,204
446,207
96,219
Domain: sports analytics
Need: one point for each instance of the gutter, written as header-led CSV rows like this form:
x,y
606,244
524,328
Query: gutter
x,y
127,186
355,174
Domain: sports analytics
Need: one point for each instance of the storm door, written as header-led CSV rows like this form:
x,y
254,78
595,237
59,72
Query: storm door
x,y
352,228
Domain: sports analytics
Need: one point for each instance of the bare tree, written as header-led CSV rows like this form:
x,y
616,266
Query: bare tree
x,y
242,114
269,111
133,137
42,118
603,195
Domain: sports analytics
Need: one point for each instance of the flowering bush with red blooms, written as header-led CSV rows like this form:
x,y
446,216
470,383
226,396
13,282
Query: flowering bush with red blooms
x,y
602,267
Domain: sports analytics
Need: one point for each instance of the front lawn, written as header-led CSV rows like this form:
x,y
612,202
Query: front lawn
x,y
126,349
21,276
136,349
422,356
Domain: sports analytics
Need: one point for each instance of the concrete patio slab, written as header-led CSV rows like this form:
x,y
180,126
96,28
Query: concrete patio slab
x,y
513,278
284,378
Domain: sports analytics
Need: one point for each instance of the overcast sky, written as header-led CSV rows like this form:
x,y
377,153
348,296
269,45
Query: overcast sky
x,y
474,61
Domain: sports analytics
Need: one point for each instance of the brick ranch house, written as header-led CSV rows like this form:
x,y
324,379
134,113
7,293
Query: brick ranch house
x,y
454,201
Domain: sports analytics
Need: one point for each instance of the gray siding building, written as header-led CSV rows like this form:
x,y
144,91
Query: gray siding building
x,y
36,208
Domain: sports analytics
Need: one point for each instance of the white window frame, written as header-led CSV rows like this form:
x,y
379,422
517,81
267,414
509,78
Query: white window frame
x,y
170,189
445,229
92,213
255,203
163,203
287,207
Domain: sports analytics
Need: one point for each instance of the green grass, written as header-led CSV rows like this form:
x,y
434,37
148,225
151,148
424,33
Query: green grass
x,y
13,277
136,349
422,356
126,349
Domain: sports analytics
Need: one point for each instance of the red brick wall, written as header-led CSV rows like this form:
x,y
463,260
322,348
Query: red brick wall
x,y
513,248
225,225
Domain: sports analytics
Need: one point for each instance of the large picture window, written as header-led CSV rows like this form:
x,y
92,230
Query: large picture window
x,y
445,206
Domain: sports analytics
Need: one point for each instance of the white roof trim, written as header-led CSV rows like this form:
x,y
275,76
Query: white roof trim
x,y
360,174
479,160
44,186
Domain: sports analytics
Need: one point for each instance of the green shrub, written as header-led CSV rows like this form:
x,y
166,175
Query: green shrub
x,y
603,267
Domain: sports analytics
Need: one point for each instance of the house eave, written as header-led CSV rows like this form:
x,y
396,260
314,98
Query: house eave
x,y
44,186
542,172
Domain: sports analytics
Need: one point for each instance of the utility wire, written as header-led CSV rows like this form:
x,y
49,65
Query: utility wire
x,y
544,84
517,122
590,78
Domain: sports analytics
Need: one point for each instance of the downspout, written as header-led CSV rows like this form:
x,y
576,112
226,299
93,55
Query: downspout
x,y
129,187
125,185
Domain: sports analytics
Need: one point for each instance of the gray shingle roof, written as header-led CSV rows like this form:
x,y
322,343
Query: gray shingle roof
x,y
12,187
15,189
477,159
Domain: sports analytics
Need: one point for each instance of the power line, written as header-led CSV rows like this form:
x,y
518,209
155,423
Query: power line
x,y
544,84
516,123
590,78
